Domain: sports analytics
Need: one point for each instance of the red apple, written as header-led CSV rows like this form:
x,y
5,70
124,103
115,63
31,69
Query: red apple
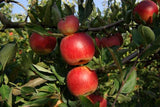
x,y
68,25
42,44
97,98
98,42
145,9
82,81
77,48
115,40
11,33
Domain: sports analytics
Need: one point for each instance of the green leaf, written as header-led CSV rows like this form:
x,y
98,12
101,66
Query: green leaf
x,y
62,105
7,53
2,4
147,34
152,49
49,88
32,16
38,102
40,11
116,59
122,98
84,11
44,73
6,93
130,83
137,38
68,10
47,16
56,15
60,78
27,90
36,28
40,95
1,67
85,102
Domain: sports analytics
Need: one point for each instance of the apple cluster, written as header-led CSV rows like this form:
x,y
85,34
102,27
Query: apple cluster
x,y
78,48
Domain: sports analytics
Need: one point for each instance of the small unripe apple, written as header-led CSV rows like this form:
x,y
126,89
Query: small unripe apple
x,y
42,44
145,9
77,48
97,98
68,25
115,40
82,81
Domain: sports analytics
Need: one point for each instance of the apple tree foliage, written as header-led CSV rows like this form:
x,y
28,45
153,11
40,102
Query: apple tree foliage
x,y
128,75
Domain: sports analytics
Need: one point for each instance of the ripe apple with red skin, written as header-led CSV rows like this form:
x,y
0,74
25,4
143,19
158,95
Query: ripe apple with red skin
x,y
115,40
145,9
98,42
42,44
97,98
77,48
82,81
68,25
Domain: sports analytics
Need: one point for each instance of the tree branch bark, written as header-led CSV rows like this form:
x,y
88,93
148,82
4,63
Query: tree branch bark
x,y
9,24
104,27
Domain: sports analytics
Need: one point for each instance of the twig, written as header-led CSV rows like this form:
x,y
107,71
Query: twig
x,y
123,82
9,24
31,83
19,4
131,70
104,27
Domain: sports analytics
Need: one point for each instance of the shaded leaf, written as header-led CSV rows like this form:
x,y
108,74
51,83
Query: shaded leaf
x,y
116,59
84,11
68,10
85,102
152,49
32,16
2,4
37,102
27,90
47,15
122,98
60,78
36,28
56,15
137,38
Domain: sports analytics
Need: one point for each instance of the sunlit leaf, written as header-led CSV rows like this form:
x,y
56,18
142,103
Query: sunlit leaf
x,y
130,83
7,53
44,73
6,93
